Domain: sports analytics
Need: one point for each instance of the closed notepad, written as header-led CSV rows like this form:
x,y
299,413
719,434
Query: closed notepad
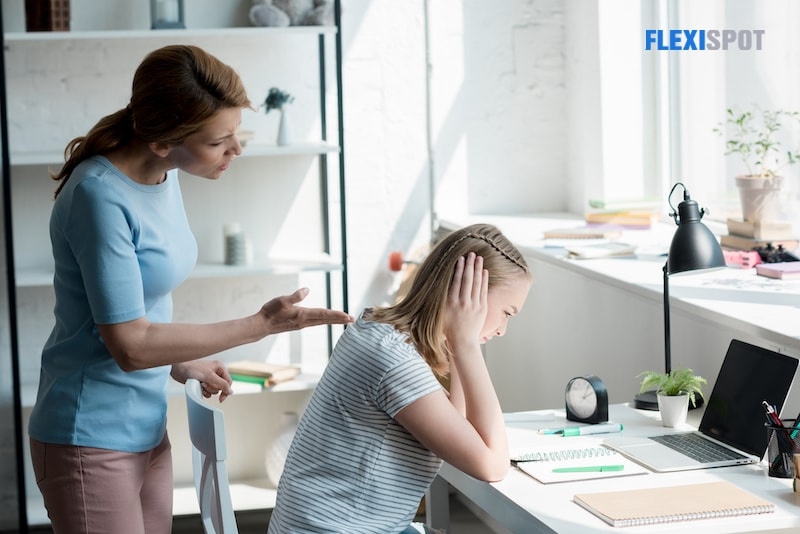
x,y
674,503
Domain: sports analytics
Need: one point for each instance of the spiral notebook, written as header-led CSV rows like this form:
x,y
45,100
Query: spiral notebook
x,y
669,504
567,465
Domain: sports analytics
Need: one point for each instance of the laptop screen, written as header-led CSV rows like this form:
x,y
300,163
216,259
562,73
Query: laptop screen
x,y
749,375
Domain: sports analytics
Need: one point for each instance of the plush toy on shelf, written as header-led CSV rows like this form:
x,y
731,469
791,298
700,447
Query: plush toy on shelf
x,y
276,13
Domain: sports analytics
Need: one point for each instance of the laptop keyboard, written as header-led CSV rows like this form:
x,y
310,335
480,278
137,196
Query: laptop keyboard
x,y
697,448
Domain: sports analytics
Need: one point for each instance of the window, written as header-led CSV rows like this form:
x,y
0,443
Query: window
x,y
701,84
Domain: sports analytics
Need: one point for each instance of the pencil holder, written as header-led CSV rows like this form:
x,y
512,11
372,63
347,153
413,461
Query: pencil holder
x,y
784,442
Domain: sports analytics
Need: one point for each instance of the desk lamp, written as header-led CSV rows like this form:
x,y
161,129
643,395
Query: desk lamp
x,y
694,248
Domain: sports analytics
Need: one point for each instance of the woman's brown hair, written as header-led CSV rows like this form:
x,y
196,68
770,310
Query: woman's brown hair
x,y
175,91
420,314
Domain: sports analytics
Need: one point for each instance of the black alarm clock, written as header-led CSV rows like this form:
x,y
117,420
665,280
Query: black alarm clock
x,y
586,400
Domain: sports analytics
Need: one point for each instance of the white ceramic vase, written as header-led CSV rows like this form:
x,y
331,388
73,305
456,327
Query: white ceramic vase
x,y
277,451
761,198
283,129
674,409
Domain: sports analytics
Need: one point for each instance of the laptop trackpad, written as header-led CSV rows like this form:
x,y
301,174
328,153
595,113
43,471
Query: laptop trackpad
x,y
653,455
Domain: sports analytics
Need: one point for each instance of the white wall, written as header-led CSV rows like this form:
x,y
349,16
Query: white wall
x,y
498,138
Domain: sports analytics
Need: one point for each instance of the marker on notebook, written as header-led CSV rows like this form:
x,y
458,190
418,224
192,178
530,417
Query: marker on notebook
x,y
589,469
603,428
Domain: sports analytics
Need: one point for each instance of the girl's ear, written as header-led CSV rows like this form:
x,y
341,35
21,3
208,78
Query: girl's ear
x,y
160,149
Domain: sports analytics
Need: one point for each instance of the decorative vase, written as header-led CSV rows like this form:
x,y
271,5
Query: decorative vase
x,y
760,198
674,409
277,451
283,129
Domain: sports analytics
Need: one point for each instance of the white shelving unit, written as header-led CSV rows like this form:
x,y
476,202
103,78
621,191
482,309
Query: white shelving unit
x,y
307,178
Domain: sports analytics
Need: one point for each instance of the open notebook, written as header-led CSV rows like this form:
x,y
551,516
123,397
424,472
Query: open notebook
x,y
570,464
732,427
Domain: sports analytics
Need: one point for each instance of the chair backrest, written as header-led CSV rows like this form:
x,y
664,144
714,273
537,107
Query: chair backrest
x,y
207,432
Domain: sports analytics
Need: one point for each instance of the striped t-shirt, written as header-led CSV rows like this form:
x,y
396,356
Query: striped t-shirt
x,y
351,467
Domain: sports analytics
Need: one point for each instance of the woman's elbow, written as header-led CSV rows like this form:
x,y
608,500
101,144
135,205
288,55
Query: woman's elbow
x,y
128,362
124,343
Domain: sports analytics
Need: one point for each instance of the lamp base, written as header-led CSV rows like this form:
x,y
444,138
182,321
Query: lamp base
x,y
648,400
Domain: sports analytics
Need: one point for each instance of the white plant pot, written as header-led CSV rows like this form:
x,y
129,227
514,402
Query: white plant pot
x,y
674,409
761,198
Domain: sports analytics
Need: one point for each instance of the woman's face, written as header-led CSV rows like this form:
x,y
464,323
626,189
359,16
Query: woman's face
x,y
209,152
504,302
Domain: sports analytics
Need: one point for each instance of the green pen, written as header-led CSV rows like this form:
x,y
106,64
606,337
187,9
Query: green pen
x,y
589,469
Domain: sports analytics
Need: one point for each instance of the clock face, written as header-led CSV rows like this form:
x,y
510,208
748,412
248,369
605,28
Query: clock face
x,y
586,400
581,397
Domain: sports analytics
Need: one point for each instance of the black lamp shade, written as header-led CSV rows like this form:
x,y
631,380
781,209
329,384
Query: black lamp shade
x,y
693,246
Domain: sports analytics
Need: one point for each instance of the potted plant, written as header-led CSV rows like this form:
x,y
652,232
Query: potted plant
x,y
276,99
675,391
756,136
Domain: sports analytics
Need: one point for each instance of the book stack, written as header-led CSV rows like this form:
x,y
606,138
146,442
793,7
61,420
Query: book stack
x,y
747,235
785,270
630,219
263,373
625,214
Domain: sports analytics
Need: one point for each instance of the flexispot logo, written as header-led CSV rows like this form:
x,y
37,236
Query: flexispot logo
x,y
703,39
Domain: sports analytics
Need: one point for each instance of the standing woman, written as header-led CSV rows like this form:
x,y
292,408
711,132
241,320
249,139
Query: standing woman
x,y
121,244
379,423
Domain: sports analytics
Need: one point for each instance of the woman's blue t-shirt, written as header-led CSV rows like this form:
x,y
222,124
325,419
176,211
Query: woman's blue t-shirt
x,y
120,248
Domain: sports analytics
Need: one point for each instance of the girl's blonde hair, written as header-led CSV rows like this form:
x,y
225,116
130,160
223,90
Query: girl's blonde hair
x,y
176,90
421,313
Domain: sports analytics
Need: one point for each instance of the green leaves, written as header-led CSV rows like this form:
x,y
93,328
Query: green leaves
x,y
276,99
679,381
755,136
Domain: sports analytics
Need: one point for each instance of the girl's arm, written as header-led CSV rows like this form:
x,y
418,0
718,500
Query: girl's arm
x,y
472,438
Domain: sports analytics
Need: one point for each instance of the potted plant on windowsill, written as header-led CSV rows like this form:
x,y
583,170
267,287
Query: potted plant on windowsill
x,y
757,136
675,390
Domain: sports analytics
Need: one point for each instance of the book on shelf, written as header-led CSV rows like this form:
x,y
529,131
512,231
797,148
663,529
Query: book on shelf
x,y
761,230
583,232
784,270
624,219
264,373
567,465
740,242
688,502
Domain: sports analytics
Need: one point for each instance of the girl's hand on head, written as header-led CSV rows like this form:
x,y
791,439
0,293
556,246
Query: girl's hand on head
x,y
467,302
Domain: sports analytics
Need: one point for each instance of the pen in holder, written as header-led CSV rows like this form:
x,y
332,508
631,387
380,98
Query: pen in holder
x,y
784,442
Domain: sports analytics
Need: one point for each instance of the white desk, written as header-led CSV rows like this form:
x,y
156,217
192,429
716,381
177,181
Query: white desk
x,y
523,505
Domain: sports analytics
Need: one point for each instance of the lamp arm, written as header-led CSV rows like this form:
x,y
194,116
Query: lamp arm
x,y
667,348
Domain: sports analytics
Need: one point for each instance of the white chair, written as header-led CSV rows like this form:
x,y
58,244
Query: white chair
x,y
207,432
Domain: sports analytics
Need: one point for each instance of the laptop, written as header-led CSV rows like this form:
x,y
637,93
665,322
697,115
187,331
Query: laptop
x,y
734,418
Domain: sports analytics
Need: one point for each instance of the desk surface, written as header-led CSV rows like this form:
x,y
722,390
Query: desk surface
x,y
524,505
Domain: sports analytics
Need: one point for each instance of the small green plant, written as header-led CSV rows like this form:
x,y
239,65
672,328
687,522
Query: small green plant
x,y
677,382
276,99
755,136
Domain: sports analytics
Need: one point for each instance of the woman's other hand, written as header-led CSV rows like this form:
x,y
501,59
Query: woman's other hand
x,y
212,374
